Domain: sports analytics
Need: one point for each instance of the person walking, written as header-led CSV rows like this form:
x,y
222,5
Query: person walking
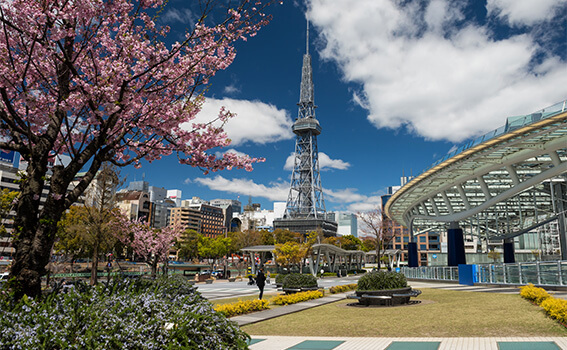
x,y
261,282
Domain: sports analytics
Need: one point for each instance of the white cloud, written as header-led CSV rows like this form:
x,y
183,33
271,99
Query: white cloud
x,y
355,201
255,121
416,69
179,15
348,198
526,12
276,191
325,162
232,150
231,90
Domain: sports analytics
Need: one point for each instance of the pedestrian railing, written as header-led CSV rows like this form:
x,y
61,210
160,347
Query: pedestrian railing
x,y
439,273
544,273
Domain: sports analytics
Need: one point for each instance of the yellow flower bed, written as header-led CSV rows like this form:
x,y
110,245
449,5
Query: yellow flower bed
x,y
555,308
296,297
343,288
242,307
533,293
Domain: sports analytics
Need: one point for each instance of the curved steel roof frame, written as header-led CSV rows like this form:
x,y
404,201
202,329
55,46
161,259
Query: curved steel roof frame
x,y
503,184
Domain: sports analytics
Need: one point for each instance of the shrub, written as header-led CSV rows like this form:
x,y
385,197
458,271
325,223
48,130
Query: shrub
x,y
167,313
296,280
242,307
296,297
280,277
556,308
380,280
534,294
342,288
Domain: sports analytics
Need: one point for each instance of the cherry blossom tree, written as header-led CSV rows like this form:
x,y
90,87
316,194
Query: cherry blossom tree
x,y
96,81
151,244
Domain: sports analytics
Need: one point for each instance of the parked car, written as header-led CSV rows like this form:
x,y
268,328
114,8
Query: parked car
x,y
218,273
3,277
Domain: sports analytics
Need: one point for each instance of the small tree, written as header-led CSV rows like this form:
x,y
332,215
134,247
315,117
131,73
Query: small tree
x,y
378,226
494,255
290,253
214,248
86,232
351,243
151,244
187,245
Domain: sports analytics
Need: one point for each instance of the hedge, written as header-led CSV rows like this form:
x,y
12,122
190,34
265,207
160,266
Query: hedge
x,y
554,307
296,297
380,280
296,280
242,307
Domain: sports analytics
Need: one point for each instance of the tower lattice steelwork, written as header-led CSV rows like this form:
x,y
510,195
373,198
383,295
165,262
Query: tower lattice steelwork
x,y
305,208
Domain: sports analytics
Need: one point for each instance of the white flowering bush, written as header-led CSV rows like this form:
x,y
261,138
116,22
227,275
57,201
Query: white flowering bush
x,y
167,313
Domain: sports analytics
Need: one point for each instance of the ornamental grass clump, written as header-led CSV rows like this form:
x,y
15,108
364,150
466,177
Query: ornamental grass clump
x,y
296,280
167,313
380,280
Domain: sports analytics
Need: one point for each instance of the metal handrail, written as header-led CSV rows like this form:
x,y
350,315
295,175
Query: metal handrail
x,y
543,273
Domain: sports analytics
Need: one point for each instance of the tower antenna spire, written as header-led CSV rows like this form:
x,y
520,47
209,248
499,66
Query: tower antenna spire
x,y
307,41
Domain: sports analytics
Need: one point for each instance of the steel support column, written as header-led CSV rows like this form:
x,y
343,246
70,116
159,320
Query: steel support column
x,y
560,197
508,246
455,245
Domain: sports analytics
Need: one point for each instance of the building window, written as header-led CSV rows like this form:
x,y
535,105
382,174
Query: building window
x,y
422,238
423,247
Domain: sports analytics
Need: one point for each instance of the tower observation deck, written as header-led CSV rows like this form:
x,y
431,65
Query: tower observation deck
x,y
305,207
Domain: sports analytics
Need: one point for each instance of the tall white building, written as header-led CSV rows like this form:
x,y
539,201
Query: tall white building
x,y
347,223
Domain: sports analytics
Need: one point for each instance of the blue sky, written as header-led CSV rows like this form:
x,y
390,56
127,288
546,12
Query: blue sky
x,y
398,84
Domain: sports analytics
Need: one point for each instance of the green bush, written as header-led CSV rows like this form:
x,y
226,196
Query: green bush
x,y
280,277
167,313
380,280
296,280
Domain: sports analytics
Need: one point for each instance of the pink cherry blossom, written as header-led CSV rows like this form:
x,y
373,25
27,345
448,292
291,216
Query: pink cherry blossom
x,y
95,80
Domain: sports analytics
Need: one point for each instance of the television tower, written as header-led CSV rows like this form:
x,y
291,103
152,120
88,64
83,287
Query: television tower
x,y
305,207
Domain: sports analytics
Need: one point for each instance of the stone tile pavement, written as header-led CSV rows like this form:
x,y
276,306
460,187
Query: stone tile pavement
x,y
345,343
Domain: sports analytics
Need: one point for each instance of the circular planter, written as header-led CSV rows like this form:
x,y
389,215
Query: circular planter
x,y
386,292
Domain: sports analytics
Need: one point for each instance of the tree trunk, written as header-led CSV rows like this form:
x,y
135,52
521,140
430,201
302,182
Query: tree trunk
x,y
33,250
94,266
35,229
153,264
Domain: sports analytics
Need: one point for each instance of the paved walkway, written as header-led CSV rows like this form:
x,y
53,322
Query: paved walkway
x,y
346,343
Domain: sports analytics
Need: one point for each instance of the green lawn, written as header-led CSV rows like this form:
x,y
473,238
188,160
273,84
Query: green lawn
x,y
441,314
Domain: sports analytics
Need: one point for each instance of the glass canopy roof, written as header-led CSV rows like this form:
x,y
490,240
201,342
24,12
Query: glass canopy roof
x,y
502,184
